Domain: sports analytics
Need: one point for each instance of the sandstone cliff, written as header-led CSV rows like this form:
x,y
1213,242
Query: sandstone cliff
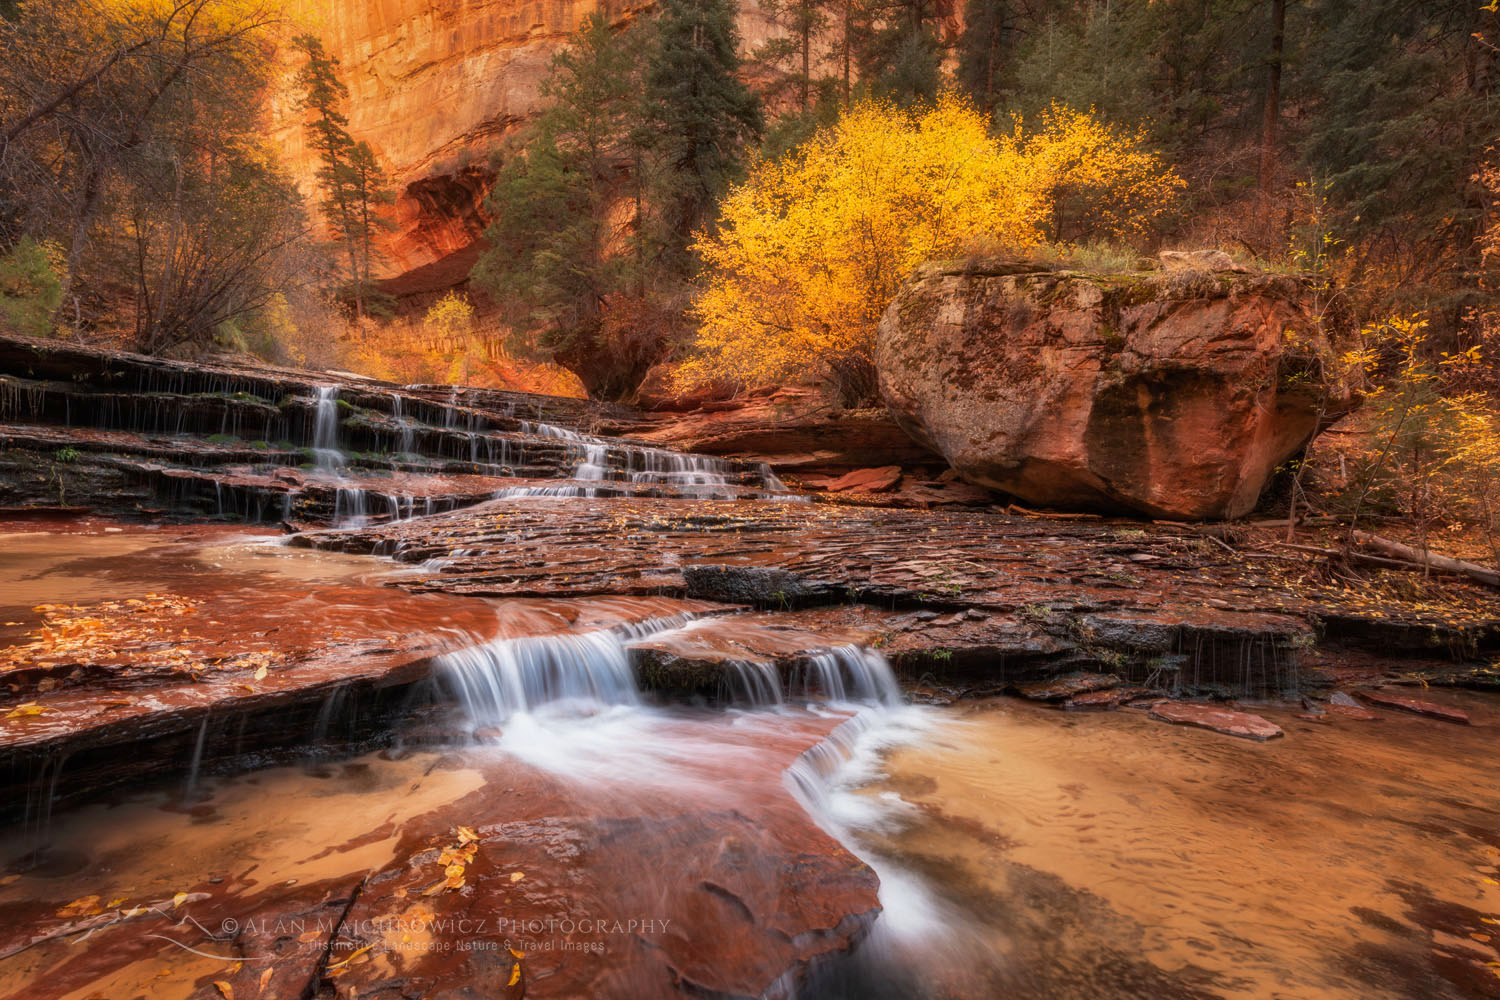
x,y
434,85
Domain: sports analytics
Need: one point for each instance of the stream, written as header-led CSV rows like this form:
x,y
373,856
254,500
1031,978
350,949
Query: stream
x,y
1020,851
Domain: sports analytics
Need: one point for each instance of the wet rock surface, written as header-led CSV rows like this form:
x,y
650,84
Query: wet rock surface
x,y
520,539
1219,719
717,885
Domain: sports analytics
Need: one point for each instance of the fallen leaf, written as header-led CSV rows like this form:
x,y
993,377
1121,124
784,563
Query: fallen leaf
x,y
517,876
178,898
225,989
352,957
260,674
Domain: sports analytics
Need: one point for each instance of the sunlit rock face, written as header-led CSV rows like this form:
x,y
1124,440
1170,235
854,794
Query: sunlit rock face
x,y
1172,393
434,87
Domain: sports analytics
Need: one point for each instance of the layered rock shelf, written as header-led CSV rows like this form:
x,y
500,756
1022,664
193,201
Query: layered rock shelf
x,y
138,436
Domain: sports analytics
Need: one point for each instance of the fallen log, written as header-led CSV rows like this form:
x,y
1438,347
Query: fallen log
x,y
1426,560
1363,558
1408,559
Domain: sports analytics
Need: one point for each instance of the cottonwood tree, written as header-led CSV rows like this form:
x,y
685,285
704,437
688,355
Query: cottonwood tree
x,y
126,138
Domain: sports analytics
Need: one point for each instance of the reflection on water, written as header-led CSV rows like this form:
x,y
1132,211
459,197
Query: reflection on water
x,y
1112,856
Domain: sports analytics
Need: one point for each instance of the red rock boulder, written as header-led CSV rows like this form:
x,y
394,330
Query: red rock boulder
x,y
1169,393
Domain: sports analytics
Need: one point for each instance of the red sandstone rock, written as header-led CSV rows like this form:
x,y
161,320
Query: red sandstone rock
x,y
1107,698
1059,688
1345,707
1173,395
1393,699
867,480
1220,720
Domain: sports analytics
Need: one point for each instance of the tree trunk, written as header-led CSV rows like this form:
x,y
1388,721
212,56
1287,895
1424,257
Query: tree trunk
x,y
1272,110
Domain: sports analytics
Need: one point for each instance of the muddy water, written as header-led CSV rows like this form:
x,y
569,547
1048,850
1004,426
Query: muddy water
x,y
1108,855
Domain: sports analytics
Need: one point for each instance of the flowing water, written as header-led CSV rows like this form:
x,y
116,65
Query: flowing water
x,y
1108,855
1021,852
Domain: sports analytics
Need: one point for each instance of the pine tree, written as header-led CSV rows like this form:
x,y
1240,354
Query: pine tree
x,y
901,56
985,46
804,22
349,173
700,115
558,252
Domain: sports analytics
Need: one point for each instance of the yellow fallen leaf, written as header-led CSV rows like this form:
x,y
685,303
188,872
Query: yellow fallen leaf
x,y
466,835
517,953
260,674
265,977
351,957
178,899
83,906
517,876
25,711
515,974
225,989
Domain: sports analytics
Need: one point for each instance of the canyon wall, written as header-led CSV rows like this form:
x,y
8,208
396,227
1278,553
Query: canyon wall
x,y
434,86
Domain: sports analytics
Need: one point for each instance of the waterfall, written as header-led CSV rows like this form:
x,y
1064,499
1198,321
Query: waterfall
x,y
769,479
848,674
496,680
502,678
701,474
326,429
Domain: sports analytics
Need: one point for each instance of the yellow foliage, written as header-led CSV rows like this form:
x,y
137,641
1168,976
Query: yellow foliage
x,y
1434,456
814,246
448,347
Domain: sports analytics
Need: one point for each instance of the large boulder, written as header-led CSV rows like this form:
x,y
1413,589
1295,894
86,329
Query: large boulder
x,y
1171,393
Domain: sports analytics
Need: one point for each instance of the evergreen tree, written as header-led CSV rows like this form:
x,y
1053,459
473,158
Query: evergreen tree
x,y
804,22
985,47
901,56
349,173
699,115
557,252
1409,107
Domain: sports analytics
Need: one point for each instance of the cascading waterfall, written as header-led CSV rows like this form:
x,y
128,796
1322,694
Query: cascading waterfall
x,y
505,677
848,674
826,780
326,429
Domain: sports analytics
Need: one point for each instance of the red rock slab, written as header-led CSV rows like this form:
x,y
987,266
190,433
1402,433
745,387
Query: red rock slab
x,y
1058,688
1220,720
1352,712
641,893
868,480
1106,698
1406,703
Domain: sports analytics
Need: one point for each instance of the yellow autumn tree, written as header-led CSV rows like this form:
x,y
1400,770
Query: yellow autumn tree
x,y
813,246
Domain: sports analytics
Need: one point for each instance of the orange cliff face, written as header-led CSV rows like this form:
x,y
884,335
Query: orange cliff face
x,y
434,86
